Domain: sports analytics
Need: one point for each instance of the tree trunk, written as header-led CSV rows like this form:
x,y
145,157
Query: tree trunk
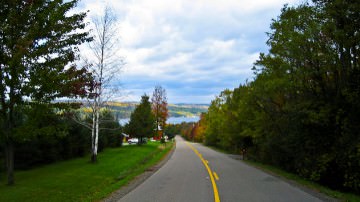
x,y
93,158
9,152
96,132
93,155
9,145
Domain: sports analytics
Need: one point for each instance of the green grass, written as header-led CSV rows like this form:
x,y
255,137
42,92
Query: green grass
x,y
314,186
80,180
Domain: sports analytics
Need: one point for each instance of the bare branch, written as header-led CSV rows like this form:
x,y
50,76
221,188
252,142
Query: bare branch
x,y
81,122
105,65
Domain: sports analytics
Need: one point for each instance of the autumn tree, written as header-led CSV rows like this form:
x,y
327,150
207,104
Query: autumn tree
x,y
200,129
38,47
160,108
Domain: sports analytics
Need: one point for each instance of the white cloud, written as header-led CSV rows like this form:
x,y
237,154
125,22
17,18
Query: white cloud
x,y
204,45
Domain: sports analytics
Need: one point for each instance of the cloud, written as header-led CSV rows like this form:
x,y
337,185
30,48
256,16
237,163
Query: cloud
x,y
194,49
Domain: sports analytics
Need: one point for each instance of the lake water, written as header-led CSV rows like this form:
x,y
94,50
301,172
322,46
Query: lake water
x,y
177,120
171,120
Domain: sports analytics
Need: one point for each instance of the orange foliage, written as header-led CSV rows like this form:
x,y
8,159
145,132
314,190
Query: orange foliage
x,y
195,131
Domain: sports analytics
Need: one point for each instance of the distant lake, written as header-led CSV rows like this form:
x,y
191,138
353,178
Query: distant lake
x,y
171,120
177,120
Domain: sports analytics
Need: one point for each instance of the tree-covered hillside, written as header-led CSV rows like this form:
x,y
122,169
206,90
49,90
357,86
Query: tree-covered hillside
x,y
123,110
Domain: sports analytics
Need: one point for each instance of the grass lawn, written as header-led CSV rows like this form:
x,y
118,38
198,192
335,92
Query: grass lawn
x,y
80,180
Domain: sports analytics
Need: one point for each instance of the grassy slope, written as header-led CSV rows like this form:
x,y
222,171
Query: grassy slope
x,y
79,180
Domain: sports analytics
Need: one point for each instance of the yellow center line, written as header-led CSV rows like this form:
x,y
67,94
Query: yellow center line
x,y
216,176
205,162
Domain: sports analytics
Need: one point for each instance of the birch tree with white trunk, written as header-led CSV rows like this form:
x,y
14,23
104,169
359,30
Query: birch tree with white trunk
x,y
105,65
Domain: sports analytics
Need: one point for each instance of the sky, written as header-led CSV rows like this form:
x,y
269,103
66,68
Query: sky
x,y
194,49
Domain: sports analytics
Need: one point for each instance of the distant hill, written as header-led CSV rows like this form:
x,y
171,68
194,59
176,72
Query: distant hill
x,y
124,109
177,110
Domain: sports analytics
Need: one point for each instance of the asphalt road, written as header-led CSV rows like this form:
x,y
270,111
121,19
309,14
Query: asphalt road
x,y
197,173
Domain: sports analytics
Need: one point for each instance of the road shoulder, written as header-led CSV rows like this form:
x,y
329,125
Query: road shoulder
x,y
293,183
138,180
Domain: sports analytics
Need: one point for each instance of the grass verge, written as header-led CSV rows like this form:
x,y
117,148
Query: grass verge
x,y
348,197
80,180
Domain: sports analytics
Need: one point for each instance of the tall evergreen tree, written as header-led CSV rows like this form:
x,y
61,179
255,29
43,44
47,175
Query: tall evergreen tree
x,y
142,121
38,47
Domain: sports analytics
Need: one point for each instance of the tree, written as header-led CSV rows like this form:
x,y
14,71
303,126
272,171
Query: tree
x,y
142,120
39,42
199,129
172,130
105,65
342,22
305,89
301,111
160,108
110,133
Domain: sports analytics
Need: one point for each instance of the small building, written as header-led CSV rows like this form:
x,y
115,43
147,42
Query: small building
x,y
126,137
